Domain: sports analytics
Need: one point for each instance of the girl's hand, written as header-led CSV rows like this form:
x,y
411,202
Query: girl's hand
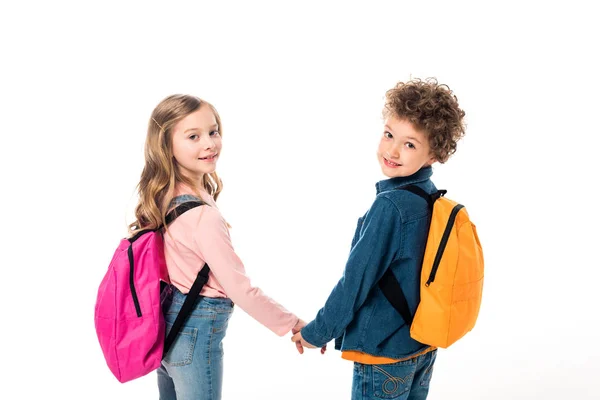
x,y
296,329
299,340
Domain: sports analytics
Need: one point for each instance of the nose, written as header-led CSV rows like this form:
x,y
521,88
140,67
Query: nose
x,y
208,142
393,152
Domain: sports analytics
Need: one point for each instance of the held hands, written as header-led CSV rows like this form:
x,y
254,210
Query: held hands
x,y
299,340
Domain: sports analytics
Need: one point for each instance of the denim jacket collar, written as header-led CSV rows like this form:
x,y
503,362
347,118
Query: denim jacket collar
x,y
388,184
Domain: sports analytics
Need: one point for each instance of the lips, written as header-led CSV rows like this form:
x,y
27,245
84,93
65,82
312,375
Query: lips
x,y
390,163
209,158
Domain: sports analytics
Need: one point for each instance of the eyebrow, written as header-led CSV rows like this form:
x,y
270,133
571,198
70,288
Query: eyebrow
x,y
407,137
214,127
414,138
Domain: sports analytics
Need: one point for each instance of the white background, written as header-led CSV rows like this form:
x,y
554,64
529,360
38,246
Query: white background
x,y
299,87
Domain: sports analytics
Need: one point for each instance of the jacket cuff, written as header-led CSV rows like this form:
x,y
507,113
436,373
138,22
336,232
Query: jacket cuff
x,y
309,334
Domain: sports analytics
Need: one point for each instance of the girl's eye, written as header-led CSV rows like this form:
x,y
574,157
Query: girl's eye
x,y
214,133
387,135
410,145
193,137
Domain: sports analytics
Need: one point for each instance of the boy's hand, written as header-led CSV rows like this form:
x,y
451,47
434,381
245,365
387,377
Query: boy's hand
x,y
299,340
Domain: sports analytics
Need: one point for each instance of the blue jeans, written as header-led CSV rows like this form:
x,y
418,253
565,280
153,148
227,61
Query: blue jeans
x,y
404,380
193,367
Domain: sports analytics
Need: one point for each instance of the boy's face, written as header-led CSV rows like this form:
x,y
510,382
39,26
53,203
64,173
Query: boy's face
x,y
402,150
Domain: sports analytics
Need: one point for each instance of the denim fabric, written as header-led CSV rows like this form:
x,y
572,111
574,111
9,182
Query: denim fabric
x,y
392,234
405,380
184,198
193,367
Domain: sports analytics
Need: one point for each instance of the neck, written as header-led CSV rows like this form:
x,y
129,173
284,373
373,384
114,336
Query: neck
x,y
195,179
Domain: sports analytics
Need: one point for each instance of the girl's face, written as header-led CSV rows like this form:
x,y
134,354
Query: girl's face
x,y
197,143
402,150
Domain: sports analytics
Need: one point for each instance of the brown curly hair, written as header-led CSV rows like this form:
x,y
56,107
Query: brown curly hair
x,y
433,109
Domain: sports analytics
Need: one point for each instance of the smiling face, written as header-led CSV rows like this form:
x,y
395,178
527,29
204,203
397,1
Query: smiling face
x,y
403,150
197,143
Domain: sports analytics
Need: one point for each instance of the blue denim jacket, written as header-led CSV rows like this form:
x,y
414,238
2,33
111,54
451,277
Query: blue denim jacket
x,y
393,234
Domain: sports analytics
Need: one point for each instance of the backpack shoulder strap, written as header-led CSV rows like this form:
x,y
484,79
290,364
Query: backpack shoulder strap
x,y
393,293
388,283
182,208
429,198
194,293
187,307
177,211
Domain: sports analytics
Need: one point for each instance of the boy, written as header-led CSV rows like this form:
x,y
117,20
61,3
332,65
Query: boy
x,y
423,123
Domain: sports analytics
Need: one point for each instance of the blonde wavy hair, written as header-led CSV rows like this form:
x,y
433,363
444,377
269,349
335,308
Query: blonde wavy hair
x,y
156,188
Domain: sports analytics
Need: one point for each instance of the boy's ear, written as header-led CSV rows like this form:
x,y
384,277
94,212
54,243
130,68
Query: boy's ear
x,y
432,160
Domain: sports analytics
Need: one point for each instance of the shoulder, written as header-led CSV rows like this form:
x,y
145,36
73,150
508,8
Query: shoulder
x,y
209,215
203,218
408,205
384,211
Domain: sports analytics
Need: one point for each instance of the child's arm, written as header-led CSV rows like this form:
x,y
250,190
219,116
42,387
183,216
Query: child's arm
x,y
213,244
378,245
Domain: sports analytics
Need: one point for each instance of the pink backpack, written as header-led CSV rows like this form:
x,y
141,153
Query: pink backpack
x,y
131,298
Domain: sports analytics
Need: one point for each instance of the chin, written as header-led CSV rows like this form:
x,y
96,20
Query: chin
x,y
387,173
395,173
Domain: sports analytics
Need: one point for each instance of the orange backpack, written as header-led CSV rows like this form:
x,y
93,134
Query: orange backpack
x,y
451,276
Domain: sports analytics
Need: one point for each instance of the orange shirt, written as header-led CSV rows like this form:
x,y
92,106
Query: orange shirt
x,y
365,358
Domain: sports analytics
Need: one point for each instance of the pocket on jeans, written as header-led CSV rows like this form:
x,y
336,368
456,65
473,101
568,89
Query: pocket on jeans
x,y
182,351
391,381
221,321
426,379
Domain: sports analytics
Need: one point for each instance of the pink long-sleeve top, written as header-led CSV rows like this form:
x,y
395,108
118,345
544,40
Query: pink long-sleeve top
x,y
200,236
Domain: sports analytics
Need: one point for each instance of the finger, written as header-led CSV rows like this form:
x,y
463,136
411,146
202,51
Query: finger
x,y
298,327
323,349
299,348
297,337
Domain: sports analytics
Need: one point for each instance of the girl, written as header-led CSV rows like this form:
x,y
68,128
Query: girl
x,y
183,146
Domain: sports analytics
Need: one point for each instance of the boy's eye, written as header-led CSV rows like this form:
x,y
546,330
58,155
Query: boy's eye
x,y
387,135
410,145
